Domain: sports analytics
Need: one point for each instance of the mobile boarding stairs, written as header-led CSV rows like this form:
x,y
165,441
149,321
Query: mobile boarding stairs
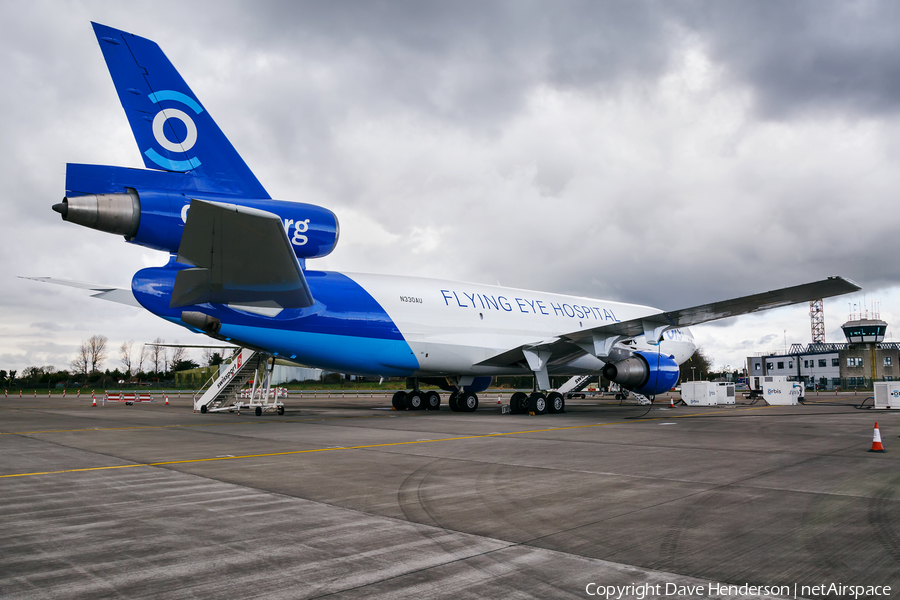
x,y
223,391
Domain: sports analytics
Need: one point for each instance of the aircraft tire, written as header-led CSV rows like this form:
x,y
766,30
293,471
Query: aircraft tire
x,y
556,403
518,403
398,400
259,411
453,401
537,403
415,400
433,401
468,401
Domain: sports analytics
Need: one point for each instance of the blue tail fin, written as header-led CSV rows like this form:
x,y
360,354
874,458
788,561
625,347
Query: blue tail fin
x,y
172,129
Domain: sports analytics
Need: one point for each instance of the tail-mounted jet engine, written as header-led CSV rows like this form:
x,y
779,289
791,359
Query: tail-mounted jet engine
x,y
156,219
646,373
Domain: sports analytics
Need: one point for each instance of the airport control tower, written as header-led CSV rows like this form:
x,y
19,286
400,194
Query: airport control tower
x,y
863,330
863,357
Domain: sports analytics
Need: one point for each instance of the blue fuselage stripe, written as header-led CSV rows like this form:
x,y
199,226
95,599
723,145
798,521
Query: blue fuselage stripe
x,y
345,330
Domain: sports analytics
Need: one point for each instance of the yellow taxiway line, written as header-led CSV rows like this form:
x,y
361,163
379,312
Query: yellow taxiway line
x,y
330,449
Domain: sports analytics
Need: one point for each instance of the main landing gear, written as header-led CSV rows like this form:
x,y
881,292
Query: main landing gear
x,y
459,401
537,403
416,400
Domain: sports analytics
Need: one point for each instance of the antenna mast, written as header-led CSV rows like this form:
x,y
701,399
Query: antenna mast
x,y
817,320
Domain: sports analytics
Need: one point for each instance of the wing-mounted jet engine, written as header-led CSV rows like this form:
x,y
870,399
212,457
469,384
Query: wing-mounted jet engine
x,y
644,372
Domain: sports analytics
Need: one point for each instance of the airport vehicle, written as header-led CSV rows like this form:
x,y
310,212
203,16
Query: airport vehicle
x,y
238,272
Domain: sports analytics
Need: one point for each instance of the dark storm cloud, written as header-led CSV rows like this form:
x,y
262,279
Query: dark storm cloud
x,y
807,56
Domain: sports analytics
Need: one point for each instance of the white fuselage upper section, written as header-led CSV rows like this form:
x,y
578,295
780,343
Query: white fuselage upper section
x,y
452,326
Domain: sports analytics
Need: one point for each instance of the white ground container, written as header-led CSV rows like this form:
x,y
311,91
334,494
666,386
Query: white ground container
x,y
699,393
887,394
779,391
724,393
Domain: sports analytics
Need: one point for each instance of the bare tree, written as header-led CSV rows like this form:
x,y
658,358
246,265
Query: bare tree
x,y
97,351
82,361
157,354
178,354
141,357
206,357
125,354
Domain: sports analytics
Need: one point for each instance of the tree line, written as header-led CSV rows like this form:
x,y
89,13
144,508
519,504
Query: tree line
x,y
137,363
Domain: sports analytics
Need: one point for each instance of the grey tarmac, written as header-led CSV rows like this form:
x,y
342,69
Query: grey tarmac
x,y
343,498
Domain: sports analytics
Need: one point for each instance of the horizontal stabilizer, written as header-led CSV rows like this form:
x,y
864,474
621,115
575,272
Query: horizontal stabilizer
x,y
240,256
105,292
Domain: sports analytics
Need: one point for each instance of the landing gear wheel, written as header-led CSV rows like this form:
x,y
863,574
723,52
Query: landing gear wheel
x,y
433,401
453,401
556,403
259,411
467,401
398,400
280,410
537,403
415,400
518,403
203,409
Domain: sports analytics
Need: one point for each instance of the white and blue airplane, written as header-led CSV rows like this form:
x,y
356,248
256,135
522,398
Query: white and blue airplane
x,y
238,272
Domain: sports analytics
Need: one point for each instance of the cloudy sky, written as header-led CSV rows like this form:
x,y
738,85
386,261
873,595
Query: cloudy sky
x,y
664,153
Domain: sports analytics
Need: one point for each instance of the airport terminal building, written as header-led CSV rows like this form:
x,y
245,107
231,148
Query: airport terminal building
x,y
865,357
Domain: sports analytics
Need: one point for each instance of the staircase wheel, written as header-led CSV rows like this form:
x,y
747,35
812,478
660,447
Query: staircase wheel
x,y
259,411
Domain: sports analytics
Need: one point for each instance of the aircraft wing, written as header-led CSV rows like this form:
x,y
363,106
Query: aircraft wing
x,y
240,256
600,340
105,292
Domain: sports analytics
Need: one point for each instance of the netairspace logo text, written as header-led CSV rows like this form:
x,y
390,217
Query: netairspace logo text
x,y
650,590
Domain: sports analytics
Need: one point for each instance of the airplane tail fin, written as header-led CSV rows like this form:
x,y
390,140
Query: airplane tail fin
x,y
173,130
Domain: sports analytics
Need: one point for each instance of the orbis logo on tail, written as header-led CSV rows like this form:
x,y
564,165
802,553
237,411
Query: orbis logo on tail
x,y
159,131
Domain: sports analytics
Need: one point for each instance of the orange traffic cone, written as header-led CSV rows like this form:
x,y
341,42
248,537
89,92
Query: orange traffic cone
x,y
876,441
671,402
93,400
167,399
